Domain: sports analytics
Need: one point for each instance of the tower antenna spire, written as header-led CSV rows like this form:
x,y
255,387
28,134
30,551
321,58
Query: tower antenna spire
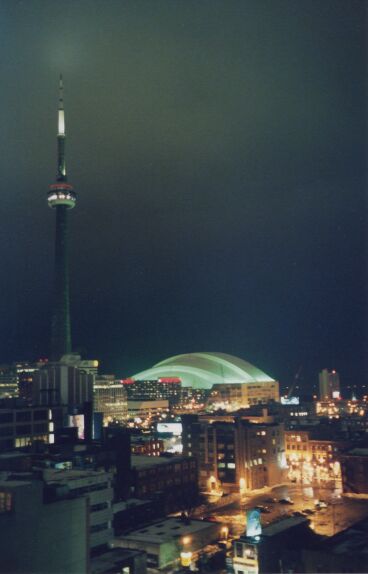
x,y
61,197
61,167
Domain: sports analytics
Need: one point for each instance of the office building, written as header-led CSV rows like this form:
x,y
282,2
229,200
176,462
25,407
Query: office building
x,y
22,425
8,382
165,388
234,453
329,385
25,373
61,384
110,399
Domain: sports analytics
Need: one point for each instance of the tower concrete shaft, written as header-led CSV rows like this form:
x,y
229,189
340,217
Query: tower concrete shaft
x,y
61,197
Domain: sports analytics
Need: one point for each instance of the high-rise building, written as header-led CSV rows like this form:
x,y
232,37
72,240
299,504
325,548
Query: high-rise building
x,y
8,382
329,385
22,425
163,388
61,197
110,398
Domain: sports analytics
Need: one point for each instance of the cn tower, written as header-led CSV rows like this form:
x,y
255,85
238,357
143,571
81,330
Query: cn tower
x,y
61,197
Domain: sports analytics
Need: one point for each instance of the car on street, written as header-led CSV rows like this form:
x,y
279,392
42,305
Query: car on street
x,y
263,509
270,500
320,504
308,511
285,501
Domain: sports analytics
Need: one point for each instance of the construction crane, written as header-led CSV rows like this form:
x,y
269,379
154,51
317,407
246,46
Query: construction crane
x,y
295,381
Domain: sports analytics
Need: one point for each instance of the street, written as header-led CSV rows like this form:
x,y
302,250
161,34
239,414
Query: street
x,y
340,513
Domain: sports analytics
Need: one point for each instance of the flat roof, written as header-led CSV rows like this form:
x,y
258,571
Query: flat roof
x,y
283,524
167,530
141,460
14,483
111,561
358,452
353,540
66,475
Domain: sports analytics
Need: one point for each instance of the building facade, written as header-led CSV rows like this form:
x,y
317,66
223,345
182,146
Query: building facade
x,y
310,459
235,396
110,398
329,385
41,537
21,426
96,488
174,480
354,470
167,388
233,453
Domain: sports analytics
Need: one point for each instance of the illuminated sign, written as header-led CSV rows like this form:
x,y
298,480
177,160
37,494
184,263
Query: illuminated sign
x,y
78,422
173,428
289,400
254,527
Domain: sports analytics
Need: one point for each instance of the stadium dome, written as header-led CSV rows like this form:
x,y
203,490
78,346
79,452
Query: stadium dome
x,y
202,370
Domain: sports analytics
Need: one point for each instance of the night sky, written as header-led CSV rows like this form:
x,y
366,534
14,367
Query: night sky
x,y
218,153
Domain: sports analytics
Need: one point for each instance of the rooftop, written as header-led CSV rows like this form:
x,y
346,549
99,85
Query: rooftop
x,y
352,541
169,529
140,461
284,524
202,370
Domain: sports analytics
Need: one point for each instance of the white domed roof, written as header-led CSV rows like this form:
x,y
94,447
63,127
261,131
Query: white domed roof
x,y
202,370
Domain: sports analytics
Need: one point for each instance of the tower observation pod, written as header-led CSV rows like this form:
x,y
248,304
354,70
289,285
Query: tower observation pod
x,y
61,197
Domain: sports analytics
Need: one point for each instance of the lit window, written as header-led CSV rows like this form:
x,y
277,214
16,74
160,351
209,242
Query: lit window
x,y
5,501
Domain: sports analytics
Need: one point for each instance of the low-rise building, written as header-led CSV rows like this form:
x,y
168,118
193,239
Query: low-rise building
x,y
234,453
171,479
343,552
354,471
312,459
166,540
147,445
278,548
235,396
96,487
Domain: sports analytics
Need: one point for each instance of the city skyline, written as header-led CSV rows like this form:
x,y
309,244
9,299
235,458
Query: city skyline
x,y
221,183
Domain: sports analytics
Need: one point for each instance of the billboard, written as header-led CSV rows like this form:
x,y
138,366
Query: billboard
x,y
173,428
254,527
77,421
289,400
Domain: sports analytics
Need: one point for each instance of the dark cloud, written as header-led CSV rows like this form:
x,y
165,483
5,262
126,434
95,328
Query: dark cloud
x,y
218,150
